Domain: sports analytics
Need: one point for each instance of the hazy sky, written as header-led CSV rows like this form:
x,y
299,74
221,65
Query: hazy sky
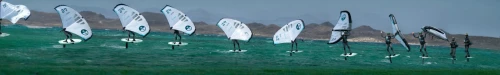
x,y
477,17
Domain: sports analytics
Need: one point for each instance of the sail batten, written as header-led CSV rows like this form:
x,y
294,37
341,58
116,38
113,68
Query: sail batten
x,y
73,22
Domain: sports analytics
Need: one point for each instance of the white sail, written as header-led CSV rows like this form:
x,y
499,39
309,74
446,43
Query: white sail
x,y
435,32
397,33
178,20
74,22
132,20
234,29
344,23
14,12
335,37
289,32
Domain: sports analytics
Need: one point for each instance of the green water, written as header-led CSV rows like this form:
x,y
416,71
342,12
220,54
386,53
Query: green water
x,y
36,51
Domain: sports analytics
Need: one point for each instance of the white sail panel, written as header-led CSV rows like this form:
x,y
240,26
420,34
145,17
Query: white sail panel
x,y
435,32
397,33
282,36
335,37
234,29
14,12
289,32
74,22
178,20
344,23
132,20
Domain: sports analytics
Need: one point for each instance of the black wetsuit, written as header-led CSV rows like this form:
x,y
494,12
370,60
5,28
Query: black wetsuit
x,y
453,46
345,42
176,32
467,44
421,38
389,45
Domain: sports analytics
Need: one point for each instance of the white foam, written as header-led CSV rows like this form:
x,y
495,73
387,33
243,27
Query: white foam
x,y
57,46
113,46
36,27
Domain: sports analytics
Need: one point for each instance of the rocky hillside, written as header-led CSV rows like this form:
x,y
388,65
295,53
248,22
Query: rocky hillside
x,y
322,31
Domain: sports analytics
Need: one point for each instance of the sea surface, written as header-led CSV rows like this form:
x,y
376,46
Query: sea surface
x,y
35,50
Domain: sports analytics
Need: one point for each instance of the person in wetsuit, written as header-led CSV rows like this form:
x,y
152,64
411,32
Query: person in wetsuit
x,y
344,35
467,44
388,42
453,46
421,36
68,35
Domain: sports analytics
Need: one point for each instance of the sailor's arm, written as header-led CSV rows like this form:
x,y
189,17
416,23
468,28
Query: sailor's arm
x,y
382,34
412,33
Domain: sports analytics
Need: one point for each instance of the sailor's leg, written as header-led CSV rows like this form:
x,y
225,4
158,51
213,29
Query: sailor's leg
x,y
425,50
348,47
291,50
239,49
467,51
234,45
421,51
0,27
392,49
67,37
71,37
388,51
128,35
175,36
453,53
296,47
180,38
133,36
345,52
